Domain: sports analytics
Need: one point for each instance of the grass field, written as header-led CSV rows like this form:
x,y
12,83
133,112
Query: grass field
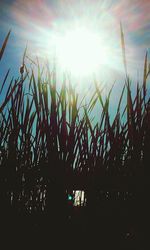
x,y
50,147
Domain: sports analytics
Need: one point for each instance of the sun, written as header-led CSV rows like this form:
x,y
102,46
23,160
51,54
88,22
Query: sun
x,y
80,51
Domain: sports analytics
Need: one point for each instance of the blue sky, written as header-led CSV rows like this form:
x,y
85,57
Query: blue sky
x,y
29,19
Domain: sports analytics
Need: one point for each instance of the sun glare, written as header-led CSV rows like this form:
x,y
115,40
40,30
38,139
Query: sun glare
x,y
80,51
81,40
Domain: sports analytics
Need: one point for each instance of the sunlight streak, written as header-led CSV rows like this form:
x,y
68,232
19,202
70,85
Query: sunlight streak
x,y
80,51
45,24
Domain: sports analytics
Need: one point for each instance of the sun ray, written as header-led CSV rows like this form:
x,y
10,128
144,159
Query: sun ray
x,y
80,51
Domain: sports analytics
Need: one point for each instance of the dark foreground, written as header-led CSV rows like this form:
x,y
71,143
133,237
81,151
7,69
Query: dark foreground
x,y
86,228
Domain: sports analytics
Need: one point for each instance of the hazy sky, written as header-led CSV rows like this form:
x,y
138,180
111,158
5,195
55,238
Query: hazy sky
x,y
31,20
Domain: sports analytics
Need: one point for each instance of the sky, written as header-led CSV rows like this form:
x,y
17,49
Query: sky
x,y
33,22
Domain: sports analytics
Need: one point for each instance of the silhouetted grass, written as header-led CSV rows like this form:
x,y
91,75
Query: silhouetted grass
x,y
50,147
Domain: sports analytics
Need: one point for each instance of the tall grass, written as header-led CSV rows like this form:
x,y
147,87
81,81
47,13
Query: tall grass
x,y
50,147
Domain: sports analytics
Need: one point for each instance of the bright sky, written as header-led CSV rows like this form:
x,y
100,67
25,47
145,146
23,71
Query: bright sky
x,y
42,23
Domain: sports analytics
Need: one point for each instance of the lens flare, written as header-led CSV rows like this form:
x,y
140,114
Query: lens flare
x,y
80,51
38,22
